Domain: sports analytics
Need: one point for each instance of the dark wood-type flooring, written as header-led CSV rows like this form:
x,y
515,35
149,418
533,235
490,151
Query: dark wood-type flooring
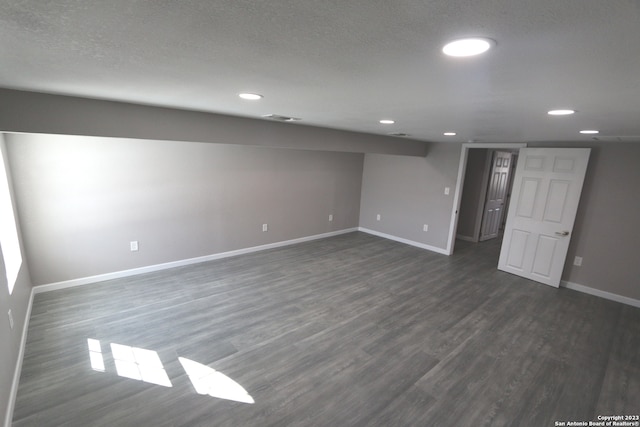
x,y
352,330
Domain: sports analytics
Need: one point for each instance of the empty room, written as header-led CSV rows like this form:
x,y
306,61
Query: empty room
x,y
231,213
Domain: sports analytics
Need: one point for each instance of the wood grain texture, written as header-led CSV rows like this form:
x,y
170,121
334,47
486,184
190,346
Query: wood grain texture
x,y
352,330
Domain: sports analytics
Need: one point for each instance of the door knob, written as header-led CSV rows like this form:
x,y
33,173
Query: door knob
x,y
562,233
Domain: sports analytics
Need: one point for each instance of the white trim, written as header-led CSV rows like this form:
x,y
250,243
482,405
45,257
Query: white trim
x,y
564,284
157,267
497,145
466,238
405,241
602,294
453,224
13,393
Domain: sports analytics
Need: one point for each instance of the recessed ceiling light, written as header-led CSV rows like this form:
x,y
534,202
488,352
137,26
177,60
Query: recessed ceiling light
x,y
449,134
387,122
589,132
468,47
250,96
560,112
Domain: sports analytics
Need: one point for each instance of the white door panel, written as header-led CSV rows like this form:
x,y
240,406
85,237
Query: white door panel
x,y
519,243
496,195
546,193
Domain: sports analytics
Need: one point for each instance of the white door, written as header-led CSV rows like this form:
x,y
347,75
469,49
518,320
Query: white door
x,y
546,192
496,195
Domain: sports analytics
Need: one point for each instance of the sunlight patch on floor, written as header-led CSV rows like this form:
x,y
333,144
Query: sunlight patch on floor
x,y
207,380
139,364
145,365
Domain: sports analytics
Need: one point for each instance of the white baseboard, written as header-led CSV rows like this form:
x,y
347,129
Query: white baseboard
x,y
466,238
564,283
601,294
157,267
405,241
13,393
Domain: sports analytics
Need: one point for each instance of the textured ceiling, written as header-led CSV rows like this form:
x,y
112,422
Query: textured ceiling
x,y
343,64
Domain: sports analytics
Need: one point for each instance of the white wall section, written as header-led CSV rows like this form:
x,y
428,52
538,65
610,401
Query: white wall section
x,y
409,192
82,200
12,339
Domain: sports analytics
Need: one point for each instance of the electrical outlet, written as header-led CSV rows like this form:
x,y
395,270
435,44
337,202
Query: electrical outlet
x,y
425,227
133,245
378,217
446,190
577,261
265,227
330,218
10,319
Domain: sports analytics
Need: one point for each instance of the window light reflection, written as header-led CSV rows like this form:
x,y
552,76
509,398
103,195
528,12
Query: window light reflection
x,y
139,364
95,355
207,380
145,365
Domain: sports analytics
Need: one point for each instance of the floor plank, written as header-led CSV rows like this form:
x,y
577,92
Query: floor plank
x,y
353,330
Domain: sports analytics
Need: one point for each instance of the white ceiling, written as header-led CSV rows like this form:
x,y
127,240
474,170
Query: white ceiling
x,y
343,64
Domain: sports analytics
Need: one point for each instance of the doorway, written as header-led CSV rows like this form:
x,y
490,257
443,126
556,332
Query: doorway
x,y
547,186
486,192
476,162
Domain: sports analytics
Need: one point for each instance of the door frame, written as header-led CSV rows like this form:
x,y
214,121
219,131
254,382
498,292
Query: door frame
x,y
477,225
462,169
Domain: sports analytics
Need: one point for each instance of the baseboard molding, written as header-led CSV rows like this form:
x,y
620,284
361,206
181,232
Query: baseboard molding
x,y
466,238
158,267
601,294
13,393
564,283
405,241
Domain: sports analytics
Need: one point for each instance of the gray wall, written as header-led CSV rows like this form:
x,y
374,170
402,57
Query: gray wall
x,y
468,219
606,232
18,302
408,192
30,112
82,200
